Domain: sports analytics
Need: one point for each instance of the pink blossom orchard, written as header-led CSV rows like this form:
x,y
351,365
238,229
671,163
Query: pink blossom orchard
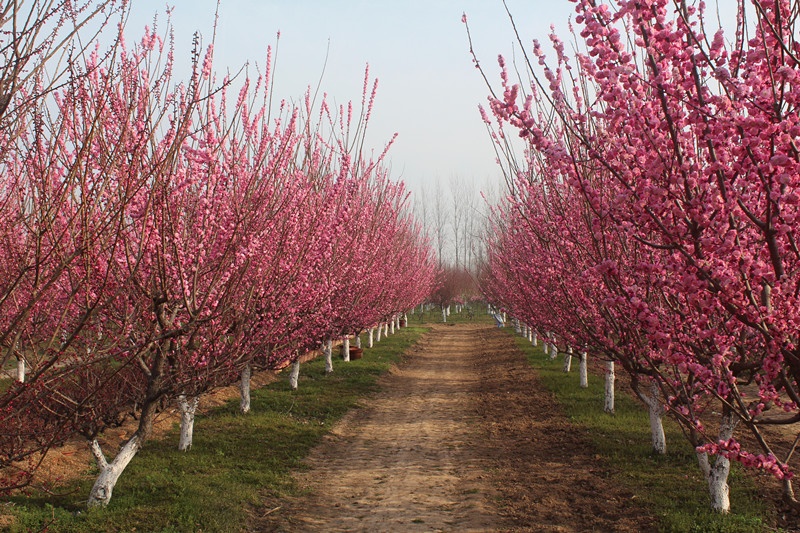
x,y
167,237
675,147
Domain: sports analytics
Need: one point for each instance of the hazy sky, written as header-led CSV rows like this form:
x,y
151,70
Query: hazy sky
x,y
428,90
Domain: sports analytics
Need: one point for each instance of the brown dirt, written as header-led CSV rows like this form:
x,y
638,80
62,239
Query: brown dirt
x,y
461,438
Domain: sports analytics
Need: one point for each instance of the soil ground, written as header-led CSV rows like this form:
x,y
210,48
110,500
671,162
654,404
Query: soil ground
x,y
461,438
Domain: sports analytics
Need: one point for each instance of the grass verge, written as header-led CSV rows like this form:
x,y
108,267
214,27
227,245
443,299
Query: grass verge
x,y
235,460
670,486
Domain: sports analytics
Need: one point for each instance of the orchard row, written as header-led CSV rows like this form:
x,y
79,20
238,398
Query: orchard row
x,y
162,237
653,220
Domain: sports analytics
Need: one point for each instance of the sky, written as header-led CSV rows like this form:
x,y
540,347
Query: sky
x,y
428,89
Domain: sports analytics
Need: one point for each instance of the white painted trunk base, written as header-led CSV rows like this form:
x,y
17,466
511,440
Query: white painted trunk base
x,y
608,401
346,348
380,331
327,350
187,409
244,389
568,360
386,330
294,375
370,338
717,474
104,485
583,370
21,370
358,341
655,411
391,325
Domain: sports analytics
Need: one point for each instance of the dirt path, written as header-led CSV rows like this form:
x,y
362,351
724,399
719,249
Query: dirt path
x,y
460,439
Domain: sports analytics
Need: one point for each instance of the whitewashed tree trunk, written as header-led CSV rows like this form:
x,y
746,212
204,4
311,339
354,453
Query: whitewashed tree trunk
x,y
448,310
608,404
100,494
346,348
517,328
294,375
386,329
568,360
21,370
535,339
546,348
444,315
327,351
504,317
553,350
656,410
358,341
380,330
525,330
583,370
371,337
187,409
244,389
391,325
717,474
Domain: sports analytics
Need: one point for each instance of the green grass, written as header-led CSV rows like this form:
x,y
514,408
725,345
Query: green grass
x,y
235,462
434,316
670,486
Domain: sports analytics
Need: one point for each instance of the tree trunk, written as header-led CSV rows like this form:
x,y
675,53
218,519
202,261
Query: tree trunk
x,y
370,338
553,350
21,370
583,370
103,487
391,324
294,375
717,474
380,331
346,348
327,350
568,360
386,329
187,408
244,389
448,310
655,410
358,341
546,348
535,339
444,315
517,327
100,494
608,404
